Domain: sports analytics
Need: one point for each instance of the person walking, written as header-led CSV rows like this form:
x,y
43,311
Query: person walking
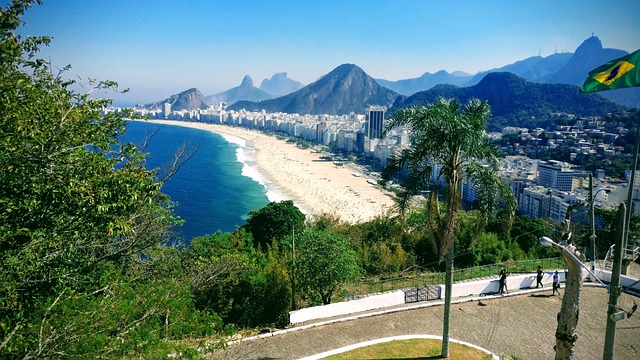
x,y
556,283
539,275
503,282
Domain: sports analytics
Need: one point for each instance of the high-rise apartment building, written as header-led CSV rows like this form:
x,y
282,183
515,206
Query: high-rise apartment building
x,y
166,110
375,121
555,176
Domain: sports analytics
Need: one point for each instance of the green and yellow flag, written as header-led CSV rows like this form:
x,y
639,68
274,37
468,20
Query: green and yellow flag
x,y
619,73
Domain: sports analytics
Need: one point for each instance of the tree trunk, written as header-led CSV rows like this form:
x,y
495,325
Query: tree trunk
x,y
448,288
570,309
449,238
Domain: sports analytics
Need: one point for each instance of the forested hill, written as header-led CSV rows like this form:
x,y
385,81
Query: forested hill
x,y
517,102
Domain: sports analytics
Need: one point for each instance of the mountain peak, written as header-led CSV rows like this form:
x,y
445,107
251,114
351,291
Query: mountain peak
x,y
502,77
247,82
589,55
280,84
246,91
190,99
592,44
345,89
347,68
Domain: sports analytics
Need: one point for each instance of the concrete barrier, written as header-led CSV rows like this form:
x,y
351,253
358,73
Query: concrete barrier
x,y
347,307
514,282
625,281
477,287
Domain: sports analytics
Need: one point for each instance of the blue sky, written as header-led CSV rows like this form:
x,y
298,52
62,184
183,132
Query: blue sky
x,y
158,48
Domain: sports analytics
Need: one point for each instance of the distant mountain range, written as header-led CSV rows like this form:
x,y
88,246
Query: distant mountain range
x,y
246,91
563,68
344,90
279,85
516,101
426,81
527,90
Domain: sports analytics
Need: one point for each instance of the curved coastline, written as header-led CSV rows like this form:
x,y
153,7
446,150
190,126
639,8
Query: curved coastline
x,y
289,173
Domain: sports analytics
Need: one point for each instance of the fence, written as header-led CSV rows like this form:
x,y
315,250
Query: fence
x,y
421,293
430,278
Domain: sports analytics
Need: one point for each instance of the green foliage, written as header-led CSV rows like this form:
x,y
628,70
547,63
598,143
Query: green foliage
x,y
527,232
488,249
228,276
606,223
78,213
126,318
452,139
383,258
275,221
325,262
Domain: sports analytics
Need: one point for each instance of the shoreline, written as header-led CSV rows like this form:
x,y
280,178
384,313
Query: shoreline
x,y
287,172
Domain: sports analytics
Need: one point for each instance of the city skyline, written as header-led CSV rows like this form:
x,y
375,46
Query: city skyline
x,y
160,48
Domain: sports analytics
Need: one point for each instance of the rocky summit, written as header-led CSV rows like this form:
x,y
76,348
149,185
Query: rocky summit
x,y
344,90
191,99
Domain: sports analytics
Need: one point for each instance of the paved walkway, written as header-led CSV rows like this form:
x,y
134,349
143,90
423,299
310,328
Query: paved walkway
x,y
523,324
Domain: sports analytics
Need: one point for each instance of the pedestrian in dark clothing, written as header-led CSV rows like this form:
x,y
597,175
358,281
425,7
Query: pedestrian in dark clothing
x,y
539,275
503,282
556,283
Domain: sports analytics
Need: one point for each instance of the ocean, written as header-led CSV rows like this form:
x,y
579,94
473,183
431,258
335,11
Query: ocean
x,y
216,188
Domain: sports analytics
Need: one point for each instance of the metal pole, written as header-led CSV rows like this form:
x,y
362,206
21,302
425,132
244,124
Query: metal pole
x,y
632,181
293,270
593,226
614,288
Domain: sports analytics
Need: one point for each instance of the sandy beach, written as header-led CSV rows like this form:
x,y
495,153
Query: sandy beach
x,y
315,185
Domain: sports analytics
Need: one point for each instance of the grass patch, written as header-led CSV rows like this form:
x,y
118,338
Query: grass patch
x,y
412,349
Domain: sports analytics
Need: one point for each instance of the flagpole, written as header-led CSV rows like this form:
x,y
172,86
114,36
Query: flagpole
x,y
618,73
632,182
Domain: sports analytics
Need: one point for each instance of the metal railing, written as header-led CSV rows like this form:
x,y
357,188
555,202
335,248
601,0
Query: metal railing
x,y
433,278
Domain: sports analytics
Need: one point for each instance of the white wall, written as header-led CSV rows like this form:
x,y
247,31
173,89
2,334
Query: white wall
x,y
625,281
477,287
514,282
347,307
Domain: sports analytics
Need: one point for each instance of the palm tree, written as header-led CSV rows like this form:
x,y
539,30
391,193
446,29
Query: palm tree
x,y
450,138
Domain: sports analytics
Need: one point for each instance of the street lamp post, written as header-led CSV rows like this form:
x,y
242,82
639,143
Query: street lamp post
x,y
614,288
593,236
568,315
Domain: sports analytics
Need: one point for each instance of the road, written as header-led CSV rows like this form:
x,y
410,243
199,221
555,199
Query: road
x,y
522,325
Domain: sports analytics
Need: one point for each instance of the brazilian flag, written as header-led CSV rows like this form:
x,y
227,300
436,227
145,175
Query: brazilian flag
x,y
619,73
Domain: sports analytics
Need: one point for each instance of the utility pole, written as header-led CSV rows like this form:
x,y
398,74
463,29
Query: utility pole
x,y
613,315
593,227
293,269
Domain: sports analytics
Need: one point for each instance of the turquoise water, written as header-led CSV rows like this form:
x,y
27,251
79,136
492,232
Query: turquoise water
x,y
214,190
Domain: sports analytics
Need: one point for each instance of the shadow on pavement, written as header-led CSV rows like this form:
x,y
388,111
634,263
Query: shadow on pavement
x,y
540,295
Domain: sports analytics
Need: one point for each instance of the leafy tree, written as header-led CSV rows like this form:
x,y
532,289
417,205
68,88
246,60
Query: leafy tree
x,y
78,212
325,262
136,315
453,138
526,232
274,221
606,222
228,276
379,244
488,249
